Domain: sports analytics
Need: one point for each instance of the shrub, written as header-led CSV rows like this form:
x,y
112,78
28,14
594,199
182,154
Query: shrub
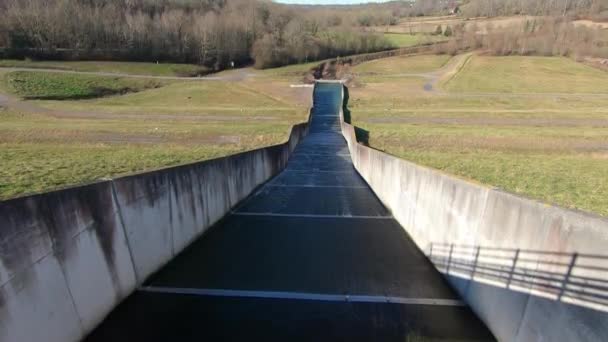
x,y
439,30
448,31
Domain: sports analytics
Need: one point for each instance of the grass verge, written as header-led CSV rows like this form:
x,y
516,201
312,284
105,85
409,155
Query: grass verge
x,y
407,40
40,152
496,126
216,98
401,65
131,68
514,74
39,167
57,86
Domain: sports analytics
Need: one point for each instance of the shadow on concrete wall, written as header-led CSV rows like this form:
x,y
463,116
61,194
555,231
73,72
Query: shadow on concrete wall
x,y
362,134
572,278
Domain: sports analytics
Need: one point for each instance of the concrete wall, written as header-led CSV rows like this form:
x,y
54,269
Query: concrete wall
x,y
68,257
531,271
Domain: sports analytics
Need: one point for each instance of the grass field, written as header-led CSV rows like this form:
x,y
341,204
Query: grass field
x,y
428,25
39,167
188,98
295,71
55,143
132,68
407,40
497,120
527,75
42,152
401,65
530,125
56,86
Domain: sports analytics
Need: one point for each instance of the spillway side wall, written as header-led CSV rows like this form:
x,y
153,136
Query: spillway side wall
x,y
68,257
530,271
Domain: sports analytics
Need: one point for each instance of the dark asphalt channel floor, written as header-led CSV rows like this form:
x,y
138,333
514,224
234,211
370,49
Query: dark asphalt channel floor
x,y
311,256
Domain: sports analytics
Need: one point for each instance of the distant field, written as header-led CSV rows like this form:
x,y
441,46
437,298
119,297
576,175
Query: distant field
x,y
528,75
56,86
55,143
530,125
407,40
402,65
133,68
428,25
291,71
42,152
187,98
497,121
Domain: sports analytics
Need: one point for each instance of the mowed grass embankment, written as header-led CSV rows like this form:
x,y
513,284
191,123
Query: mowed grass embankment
x,y
251,93
41,152
542,132
408,40
68,142
513,74
187,98
401,65
131,68
59,86
428,25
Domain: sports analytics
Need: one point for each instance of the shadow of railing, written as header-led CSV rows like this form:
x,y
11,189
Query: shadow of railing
x,y
573,278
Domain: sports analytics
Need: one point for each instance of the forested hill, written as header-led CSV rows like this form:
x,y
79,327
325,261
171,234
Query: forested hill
x,y
209,32
215,33
591,9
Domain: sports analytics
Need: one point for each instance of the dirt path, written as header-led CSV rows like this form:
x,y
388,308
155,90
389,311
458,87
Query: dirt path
x,y
8,101
529,95
455,65
443,74
490,121
446,72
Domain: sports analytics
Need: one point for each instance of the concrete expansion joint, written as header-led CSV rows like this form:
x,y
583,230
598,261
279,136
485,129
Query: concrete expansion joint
x,y
269,214
317,170
316,186
322,155
304,296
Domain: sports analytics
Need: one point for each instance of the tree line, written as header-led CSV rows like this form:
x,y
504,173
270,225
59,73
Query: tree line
x,y
594,9
214,33
540,36
220,33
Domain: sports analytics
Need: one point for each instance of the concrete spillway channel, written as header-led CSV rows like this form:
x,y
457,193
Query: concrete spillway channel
x,y
312,255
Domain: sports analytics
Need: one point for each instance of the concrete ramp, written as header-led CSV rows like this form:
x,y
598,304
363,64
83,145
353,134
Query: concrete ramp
x,y
313,255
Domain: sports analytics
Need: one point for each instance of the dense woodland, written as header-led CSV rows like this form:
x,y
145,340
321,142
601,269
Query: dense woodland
x,y
550,31
592,9
216,33
541,36
208,32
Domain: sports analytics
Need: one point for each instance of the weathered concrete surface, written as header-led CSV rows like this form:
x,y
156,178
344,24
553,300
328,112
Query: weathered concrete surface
x,y
532,272
56,250
68,257
314,231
